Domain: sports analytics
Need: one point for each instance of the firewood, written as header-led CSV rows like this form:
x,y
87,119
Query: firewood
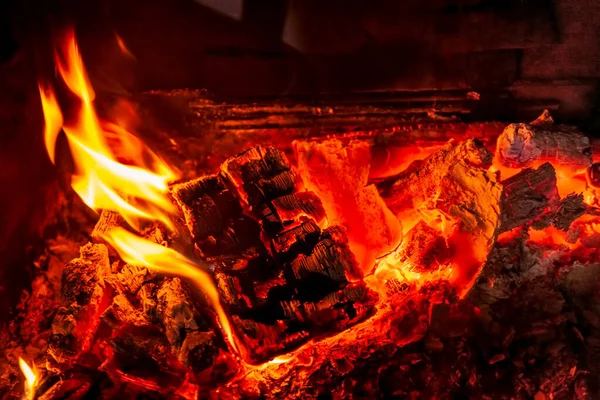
x,y
191,337
83,297
562,214
328,258
338,175
335,311
108,220
455,181
177,311
295,241
286,211
130,278
526,195
520,145
260,174
208,206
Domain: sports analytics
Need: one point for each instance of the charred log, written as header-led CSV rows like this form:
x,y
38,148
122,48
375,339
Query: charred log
x,y
455,181
84,297
520,145
527,195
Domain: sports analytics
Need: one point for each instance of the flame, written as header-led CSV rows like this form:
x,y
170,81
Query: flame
x,y
123,175
31,378
123,47
135,250
115,170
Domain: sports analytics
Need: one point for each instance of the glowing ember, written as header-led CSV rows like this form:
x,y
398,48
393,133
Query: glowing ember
x,y
138,251
30,378
123,175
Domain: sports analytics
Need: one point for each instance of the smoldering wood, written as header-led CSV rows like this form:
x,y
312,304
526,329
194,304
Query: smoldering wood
x,y
338,174
288,210
260,174
455,180
337,310
266,340
83,297
520,145
526,196
192,339
562,214
207,205
301,239
327,258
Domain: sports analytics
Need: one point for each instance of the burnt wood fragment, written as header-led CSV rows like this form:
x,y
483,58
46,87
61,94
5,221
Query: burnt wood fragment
x,y
421,248
328,258
208,206
301,239
526,195
84,297
292,209
562,214
260,174
521,145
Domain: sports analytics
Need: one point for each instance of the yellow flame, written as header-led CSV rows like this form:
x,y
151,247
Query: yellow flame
x,y
135,250
123,175
30,378
53,117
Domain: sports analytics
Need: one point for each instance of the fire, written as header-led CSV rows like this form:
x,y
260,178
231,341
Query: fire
x,y
31,378
139,251
114,170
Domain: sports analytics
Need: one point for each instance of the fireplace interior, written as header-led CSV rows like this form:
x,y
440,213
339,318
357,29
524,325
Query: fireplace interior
x,y
289,199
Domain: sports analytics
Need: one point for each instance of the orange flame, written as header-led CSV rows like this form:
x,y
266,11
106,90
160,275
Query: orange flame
x,y
136,250
115,170
126,177
31,378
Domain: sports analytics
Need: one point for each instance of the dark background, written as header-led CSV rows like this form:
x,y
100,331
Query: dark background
x,y
529,50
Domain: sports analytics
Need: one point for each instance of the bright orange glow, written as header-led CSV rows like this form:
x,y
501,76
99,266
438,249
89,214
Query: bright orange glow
x,y
31,378
114,170
138,251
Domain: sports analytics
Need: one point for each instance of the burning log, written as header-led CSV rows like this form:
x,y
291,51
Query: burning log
x,y
520,145
260,174
561,215
526,195
453,180
338,175
289,244
329,257
288,210
83,298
